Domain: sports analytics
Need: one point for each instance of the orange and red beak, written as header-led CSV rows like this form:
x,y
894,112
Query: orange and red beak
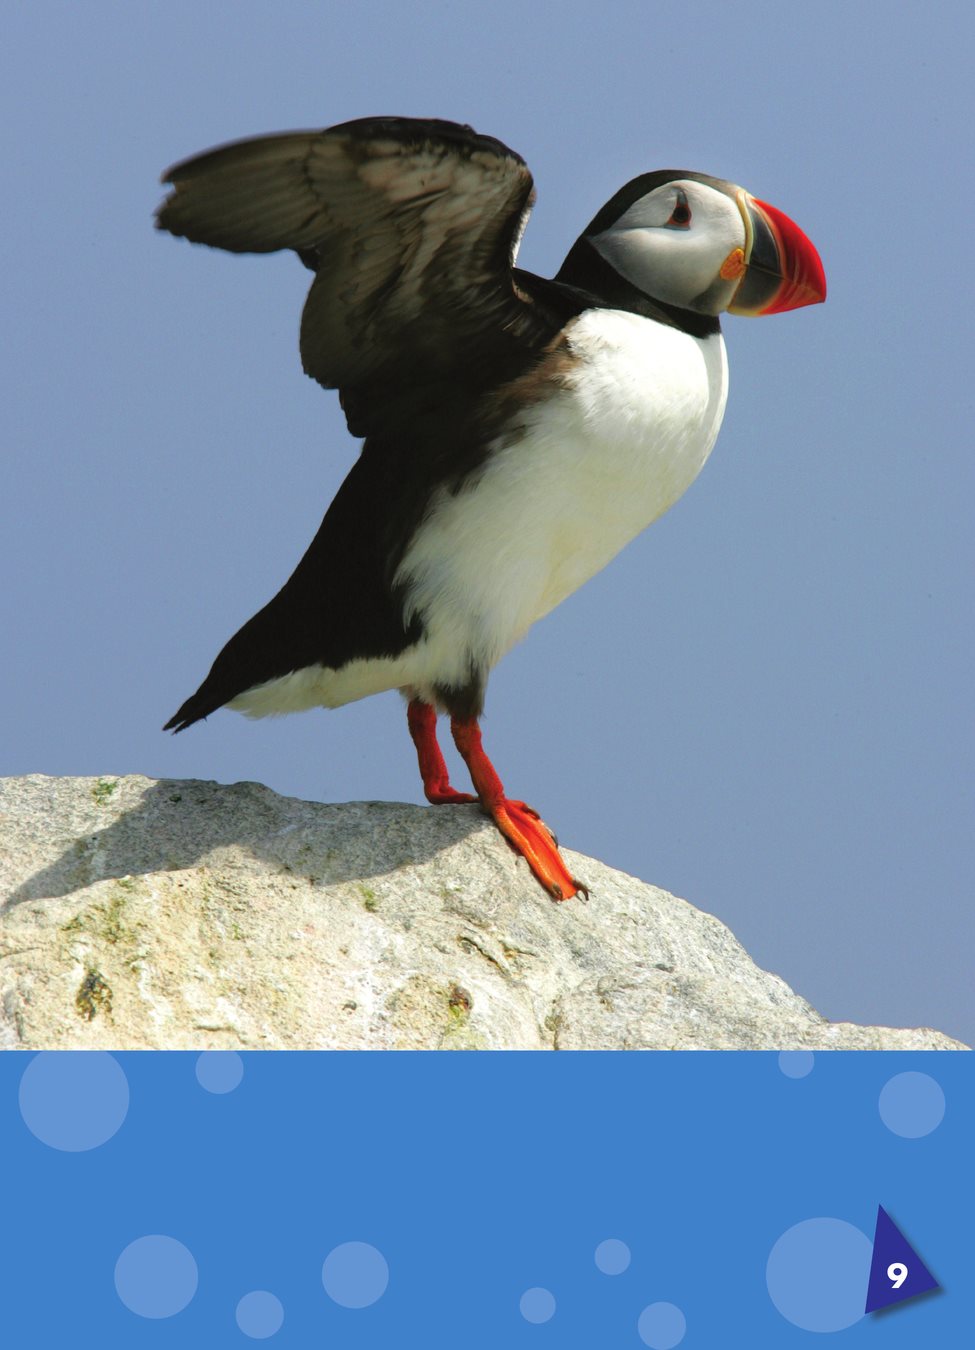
x,y
782,269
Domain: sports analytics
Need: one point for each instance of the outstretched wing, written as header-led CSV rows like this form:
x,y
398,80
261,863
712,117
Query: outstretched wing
x,y
411,227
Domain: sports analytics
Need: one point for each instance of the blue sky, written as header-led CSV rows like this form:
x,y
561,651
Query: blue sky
x,y
764,703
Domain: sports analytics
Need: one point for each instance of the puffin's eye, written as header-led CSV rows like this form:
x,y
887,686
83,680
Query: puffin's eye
x,y
681,214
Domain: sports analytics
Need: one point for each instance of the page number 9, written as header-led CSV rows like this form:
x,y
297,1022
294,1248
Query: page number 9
x,y
897,1273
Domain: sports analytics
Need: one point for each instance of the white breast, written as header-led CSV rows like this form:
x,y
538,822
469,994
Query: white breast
x,y
597,464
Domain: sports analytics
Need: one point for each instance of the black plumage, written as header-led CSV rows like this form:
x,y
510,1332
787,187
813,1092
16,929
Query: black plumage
x,y
416,315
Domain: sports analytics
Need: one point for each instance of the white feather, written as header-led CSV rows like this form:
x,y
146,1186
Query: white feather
x,y
598,462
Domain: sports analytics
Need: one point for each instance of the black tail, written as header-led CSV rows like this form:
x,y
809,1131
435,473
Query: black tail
x,y
260,651
338,605
193,710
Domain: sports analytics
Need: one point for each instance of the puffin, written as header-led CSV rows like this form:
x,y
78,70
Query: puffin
x,y
517,431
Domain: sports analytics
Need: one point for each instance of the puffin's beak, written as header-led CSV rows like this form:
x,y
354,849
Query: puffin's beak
x,y
782,268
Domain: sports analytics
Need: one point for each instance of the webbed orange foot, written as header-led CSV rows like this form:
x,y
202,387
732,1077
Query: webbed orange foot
x,y
520,824
529,836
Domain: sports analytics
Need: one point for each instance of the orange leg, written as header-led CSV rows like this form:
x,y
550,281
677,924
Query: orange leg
x,y
422,720
519,824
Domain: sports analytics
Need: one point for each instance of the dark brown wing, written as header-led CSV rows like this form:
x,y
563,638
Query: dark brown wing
x,y
411,228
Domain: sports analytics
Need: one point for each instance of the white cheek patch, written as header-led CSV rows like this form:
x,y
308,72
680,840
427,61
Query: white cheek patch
x,y
662,267
678,266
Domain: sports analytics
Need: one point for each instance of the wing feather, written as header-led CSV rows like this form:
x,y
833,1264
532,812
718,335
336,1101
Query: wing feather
x,y
411,227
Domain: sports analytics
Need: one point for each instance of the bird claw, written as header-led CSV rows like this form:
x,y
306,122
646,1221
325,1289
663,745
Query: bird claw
x,y
528,810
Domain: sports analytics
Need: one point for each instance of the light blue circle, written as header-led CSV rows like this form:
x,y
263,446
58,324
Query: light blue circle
x,y
796,1063
817,1274
155,1276
612,1256
661,1326
219,1070
259,1314
355,1274
537,1305
73,1100
911,1104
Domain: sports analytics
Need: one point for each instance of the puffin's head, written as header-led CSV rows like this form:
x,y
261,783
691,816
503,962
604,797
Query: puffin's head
x,y
706,245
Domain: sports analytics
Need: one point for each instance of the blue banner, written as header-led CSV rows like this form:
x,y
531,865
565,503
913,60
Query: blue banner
x,y
484,1200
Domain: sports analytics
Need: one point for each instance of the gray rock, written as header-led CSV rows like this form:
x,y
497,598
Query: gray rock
x,y
141,913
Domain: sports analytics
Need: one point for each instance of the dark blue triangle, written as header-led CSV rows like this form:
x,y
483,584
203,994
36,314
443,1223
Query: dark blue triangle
x,y
891,1248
